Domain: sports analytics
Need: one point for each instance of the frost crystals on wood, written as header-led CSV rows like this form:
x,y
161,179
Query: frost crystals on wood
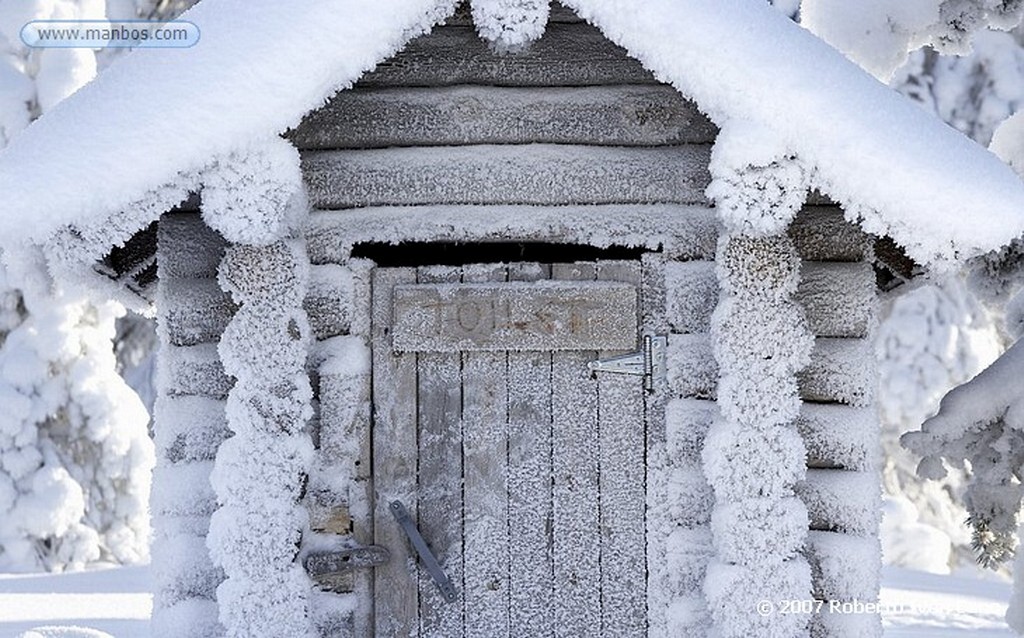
x,y
259,472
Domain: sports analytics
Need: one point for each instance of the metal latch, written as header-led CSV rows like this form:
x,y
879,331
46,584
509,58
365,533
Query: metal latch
x,y
428,558
648,363
327,564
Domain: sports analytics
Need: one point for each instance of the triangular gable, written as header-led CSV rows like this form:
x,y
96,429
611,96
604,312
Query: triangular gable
x,y
153,120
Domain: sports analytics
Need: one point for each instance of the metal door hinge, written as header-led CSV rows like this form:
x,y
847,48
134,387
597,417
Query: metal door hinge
x,y
648,363
426,556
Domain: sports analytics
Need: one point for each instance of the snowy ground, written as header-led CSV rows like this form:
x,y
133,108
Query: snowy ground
x,y
921,605
110,600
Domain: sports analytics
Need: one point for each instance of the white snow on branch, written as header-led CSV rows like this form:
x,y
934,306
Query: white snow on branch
x,y
878,34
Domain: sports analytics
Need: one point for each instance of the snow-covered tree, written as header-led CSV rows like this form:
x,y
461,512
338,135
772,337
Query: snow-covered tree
x,y
75,456
880,34
974,93
932,338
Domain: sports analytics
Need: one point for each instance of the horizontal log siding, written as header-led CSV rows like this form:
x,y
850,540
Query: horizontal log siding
x,y
532,174
568,55
838,298
650,115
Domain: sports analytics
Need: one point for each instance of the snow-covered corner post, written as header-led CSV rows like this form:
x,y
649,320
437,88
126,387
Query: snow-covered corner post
x,y
510,25
753,456
256,201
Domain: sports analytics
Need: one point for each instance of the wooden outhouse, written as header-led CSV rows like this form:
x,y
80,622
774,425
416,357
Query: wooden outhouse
x,y
502,339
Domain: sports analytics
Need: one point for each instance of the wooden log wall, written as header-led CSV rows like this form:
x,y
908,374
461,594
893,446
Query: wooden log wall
x,y
190,424
451,141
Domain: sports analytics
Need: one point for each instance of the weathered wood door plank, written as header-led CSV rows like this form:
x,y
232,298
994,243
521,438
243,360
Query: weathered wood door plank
x,y
622,487
440,507
654,320
394,474
575,466
531,569
525,473
485,448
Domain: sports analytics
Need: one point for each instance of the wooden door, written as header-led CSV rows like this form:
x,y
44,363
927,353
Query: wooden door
x,y
523,471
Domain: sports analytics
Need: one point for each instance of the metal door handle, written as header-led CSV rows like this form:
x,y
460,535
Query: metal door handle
x,y
428,558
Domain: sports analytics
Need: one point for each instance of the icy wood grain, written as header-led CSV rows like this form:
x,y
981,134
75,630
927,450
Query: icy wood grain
x,y
187,247
652,293
658,523
189,492
839,298
820,233
329,300
559,14
344,452
184,571
485,450
195,371
689,550
621,445
515,316
841,370
575,463
396,594
168,526
691,293
841,501
839,436
685,232
441,500
345,421
567,55
687,422
190,428
647,115
529,480
541,174
195,311
692,369
843,566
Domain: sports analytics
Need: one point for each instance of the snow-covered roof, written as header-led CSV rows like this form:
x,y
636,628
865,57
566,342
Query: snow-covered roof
x,y
155,118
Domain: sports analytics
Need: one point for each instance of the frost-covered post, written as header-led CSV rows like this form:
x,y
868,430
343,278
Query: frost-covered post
x,y
510,25
753,455
255,199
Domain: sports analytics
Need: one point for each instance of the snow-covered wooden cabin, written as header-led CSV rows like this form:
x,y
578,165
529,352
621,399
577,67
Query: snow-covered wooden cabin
x,y
581,298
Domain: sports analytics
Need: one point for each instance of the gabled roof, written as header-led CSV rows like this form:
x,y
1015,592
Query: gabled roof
x,y
129,145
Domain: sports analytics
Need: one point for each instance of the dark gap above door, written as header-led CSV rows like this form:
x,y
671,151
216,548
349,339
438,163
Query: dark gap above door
x,y
410,254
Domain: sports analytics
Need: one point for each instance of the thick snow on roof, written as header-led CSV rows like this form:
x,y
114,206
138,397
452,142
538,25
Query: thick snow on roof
x,y
903,172
261,64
